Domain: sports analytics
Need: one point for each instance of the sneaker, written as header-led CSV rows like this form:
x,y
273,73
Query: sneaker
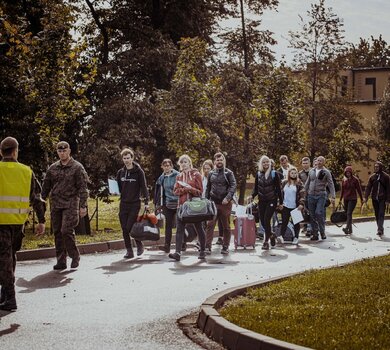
x,y
280,239
59,266
75,263
380,233
184,247
314,238
129,254
295,240
265,246
273,241
346,231
219,241
225,251
207,251
308,234
175,256
140,248
202,255
323,236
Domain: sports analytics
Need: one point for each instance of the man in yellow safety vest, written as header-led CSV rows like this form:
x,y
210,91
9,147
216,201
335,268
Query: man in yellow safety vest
x,y
18,189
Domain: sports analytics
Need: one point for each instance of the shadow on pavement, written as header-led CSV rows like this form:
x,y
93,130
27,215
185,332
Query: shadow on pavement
x,y
180,269
360,239
51,279
129,265
296,249
12,328
272,256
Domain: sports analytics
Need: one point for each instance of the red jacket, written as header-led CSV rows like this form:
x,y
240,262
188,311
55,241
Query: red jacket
x,y
194,179
350,187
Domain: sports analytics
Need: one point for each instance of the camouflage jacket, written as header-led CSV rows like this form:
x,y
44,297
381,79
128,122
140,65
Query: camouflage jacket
x,y
66,185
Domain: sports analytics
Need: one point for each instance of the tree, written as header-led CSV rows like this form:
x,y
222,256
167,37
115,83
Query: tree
x,y
369,53
319,45
383,128
49,76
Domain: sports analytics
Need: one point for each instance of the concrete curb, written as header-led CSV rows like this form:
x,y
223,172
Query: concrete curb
x,y
91,248
234,337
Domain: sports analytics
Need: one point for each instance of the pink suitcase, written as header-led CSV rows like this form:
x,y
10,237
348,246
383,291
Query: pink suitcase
x,y
244,231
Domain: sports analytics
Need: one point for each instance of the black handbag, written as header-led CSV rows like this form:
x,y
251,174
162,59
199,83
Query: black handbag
x,y
144,230
197,210
339,216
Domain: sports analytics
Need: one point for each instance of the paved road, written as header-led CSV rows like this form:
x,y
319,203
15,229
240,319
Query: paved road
x,y
110,303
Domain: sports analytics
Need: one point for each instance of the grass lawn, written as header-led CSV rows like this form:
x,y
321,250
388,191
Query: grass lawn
x,y
338,308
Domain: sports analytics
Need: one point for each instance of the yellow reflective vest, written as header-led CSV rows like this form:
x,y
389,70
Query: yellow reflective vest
x,y
15,184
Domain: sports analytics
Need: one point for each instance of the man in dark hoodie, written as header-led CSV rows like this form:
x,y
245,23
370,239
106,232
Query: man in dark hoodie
x,y
221,187
379,188
132,184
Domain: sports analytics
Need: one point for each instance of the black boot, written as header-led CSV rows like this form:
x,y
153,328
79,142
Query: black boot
x,y
61,265
9,303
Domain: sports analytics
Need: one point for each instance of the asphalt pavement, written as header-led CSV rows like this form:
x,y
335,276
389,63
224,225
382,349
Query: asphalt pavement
x,y
112,303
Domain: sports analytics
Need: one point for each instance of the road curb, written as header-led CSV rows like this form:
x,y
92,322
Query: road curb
x,y
99,247
233,337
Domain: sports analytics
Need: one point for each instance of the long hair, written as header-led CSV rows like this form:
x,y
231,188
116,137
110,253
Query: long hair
x,y
289,179
260,165
208,162
184,156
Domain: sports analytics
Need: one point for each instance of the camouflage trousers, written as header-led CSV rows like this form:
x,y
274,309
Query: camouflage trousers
x,y
11,237
63,223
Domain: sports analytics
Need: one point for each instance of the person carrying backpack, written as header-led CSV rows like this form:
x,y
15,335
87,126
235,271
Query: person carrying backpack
x,y
268,189
221,187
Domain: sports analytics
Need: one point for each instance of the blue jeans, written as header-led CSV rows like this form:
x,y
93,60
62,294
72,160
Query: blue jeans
x,y
316,205
379,208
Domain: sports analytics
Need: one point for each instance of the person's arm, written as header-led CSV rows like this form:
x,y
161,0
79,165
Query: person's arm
x,y
255,188
232,187
178,189
388,189
307,183
82,182
359,189
342,191
144,188
278,188
118,180
330,185
46,185
197,189
368,189
301,196
157,193
208,186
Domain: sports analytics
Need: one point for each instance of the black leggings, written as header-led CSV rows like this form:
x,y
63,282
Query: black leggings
x,y
266,211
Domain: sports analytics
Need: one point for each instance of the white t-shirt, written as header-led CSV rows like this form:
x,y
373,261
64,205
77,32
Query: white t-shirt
x,y
290,196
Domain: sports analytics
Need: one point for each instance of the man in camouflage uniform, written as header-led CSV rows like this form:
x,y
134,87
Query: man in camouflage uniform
x,y
66,183
18,189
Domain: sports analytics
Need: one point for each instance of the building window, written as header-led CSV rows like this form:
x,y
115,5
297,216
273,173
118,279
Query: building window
x,y
372,81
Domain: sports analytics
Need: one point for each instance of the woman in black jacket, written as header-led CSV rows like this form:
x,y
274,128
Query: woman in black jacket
x,y
267,188
132,184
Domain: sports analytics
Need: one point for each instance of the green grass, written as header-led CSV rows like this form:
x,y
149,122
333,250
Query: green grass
x,y
339,308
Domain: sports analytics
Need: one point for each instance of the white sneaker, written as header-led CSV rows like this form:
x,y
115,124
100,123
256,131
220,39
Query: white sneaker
x,y
280,239
295,241
207,251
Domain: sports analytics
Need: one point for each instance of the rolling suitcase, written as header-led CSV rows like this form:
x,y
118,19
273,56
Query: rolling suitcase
x,y
244,231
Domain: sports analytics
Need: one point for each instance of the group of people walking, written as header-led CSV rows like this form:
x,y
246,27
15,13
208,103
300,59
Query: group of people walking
x,y
65,183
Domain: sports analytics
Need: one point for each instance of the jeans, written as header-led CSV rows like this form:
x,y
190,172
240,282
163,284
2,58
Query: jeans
x,y
266,212
349,206
180,227
169,222
223,215
316,205
379,208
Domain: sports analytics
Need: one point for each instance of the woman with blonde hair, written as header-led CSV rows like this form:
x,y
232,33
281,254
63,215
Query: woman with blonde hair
x,y
267,188
188,185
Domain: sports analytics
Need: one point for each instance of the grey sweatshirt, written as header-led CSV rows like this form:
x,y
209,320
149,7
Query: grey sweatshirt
x,y
316,185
